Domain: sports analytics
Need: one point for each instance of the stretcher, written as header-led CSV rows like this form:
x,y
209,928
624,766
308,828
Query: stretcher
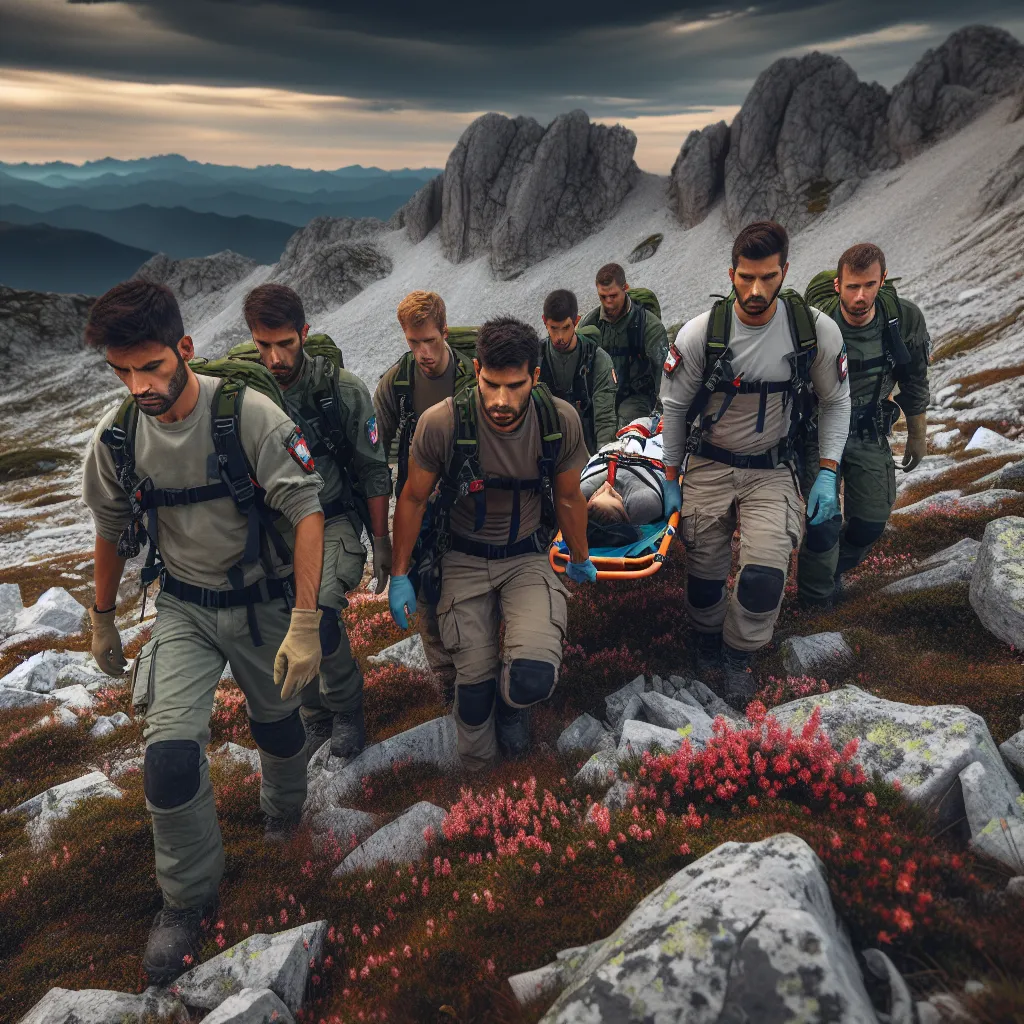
x,y
644,557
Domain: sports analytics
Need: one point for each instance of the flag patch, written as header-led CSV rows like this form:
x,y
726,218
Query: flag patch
x,y
842,364
371,431
299,450
672,360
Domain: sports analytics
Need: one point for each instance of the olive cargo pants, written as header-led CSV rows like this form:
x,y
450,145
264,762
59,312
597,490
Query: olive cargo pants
x,y
173,685
767,505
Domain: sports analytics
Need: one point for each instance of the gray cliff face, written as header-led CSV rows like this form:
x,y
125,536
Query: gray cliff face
x,y
199,275
422,213
698,175
33,320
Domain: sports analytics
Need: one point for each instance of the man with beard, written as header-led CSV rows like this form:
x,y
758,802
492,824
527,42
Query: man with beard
x,y
508,458
578,370
888,345
344,440
736,392
183,454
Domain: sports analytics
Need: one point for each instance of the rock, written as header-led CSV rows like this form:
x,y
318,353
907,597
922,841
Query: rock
x,y
633,711
962,549
348,827
106,724
62,717
944,439
1006,185
585,733
747,932
709,701
73,696
26,636
954,502
77,674
247,756
989,441
808,132
954,564
1013,753
55,609
997,586
995,813
19,698
617,798
926,1013
47,808
646,249
684,719
615,703
697,177
44,321
1011,475
640,736
1015,887
948,86
599,770
408,652
522,192
820,654
898,1003
400,842
422,213
542,983
128,766
99,1006
279,962
197,276
251,1006
40,671
432,743
10,607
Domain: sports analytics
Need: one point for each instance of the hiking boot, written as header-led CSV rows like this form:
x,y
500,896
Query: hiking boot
x,y
512,727
174,941
348,736
280,830
740,684
318,732
810,604
707,655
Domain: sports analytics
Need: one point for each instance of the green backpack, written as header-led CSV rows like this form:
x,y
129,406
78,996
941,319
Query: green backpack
x,y
463,341
315,345
646,298
243,371
821,294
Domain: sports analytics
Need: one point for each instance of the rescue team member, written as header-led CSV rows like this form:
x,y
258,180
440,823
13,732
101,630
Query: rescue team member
x,y
577,370
508,457
222,597
736,391
888,345
635,339
342,435
428,373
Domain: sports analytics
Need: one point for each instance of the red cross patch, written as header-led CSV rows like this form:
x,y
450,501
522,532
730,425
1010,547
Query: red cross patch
x,y
842,365
299,450
672,360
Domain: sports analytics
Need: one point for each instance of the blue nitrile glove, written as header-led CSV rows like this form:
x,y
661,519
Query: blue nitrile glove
x,y
671,496
823,501
401,596
582,572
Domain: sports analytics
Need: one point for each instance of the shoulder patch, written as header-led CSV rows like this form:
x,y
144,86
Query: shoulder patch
x,y
372,434
299,450
842,364
615,377
672,360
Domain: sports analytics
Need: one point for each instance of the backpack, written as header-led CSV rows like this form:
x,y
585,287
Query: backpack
x,y
646,298
463,342
464,476
314,345
642,300
582,394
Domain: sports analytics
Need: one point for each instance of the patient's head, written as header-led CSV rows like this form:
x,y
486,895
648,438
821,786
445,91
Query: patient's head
x,y
606,506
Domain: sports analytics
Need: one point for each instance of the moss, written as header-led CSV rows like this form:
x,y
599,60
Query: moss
x,y
960,343
818,194
29,462
645,249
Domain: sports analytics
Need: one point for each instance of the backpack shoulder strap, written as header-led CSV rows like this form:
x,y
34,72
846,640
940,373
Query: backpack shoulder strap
x,y
551,439
636,327
465,375
716,338
801,322
403,381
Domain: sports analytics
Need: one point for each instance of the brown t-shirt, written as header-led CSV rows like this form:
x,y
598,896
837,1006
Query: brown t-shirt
x,y
426,391
512,455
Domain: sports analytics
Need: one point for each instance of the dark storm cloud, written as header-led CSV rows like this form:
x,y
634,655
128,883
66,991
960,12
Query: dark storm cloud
x,y
535,56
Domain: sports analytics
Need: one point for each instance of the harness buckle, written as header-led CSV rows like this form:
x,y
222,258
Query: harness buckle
x,y
475,486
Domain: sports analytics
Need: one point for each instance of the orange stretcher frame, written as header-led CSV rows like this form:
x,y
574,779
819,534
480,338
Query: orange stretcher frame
x,y
621,568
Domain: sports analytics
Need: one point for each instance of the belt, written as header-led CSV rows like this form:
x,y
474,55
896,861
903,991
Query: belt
x,y
495,552
338,507
255,593
771,459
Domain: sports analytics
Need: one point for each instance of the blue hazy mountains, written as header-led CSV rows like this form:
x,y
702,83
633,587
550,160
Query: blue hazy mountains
x,y
172,205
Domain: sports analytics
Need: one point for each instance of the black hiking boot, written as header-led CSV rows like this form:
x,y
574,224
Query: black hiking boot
x,y
814,605
348,737
707,656
512,727
174,941
278,831
740,685
318,732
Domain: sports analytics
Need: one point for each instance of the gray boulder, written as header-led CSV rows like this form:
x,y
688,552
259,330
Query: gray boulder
x,y
684,719
56,803
1005,185
616,703
617,798
899,1003
422,213
251,1006
10,607
279,962
40,671
995,814
997,586
632,712
197,276
747,932
76,696
408,652
107,724
602,768
43,321
1013,753
808,132
824,654
400,842
347,827
99,1006
56,609
585,733
10,698
954,564
949,85
953,502
706,698
76,673
697,178
638,737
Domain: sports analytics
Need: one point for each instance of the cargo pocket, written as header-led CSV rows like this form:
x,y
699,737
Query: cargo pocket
x,y
143,672
350,562
794,519
448,625
688,530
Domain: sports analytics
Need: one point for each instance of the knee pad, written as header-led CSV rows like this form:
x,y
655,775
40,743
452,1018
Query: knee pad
x,y
475,701
283,738
861,533
171,772
825,536
760,588
330,631
530,681
703,593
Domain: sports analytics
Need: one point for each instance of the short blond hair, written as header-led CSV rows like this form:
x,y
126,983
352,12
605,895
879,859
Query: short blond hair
x,y
419,307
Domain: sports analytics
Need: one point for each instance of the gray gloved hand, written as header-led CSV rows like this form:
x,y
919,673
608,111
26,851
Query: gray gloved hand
x,y
298,658
917,442
106,642
381,562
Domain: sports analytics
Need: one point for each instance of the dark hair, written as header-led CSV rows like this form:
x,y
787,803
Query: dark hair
x,y
561,305
861,257
611,273
760,240
133,313
505,342
274,306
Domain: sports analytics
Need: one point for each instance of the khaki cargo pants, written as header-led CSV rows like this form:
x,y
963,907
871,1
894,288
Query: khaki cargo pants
x,y
173,684
438,658
477,595
767,506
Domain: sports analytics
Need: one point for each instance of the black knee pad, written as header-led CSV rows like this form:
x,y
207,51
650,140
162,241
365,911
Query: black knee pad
x,y
283,738
330,631
824,536
760,588
171,773
530,681
475,701
861,533
703,593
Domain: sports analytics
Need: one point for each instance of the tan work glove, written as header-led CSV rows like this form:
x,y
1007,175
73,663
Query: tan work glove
x,y
917,442
106,643
298,658
381,562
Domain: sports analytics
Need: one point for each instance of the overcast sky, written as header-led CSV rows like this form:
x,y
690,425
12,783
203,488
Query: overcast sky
x,y
319,84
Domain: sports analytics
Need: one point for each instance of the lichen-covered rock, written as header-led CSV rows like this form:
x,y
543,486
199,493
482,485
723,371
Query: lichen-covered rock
x,y
403,840
954,564
585,733
279,962
638,737
251,1006
822,654
689,722
47,808
11,698
77,673
697,178
408,652
995,814
99,1006
953,502
997,586
602,768
747,932
40,321
76,696
55,609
